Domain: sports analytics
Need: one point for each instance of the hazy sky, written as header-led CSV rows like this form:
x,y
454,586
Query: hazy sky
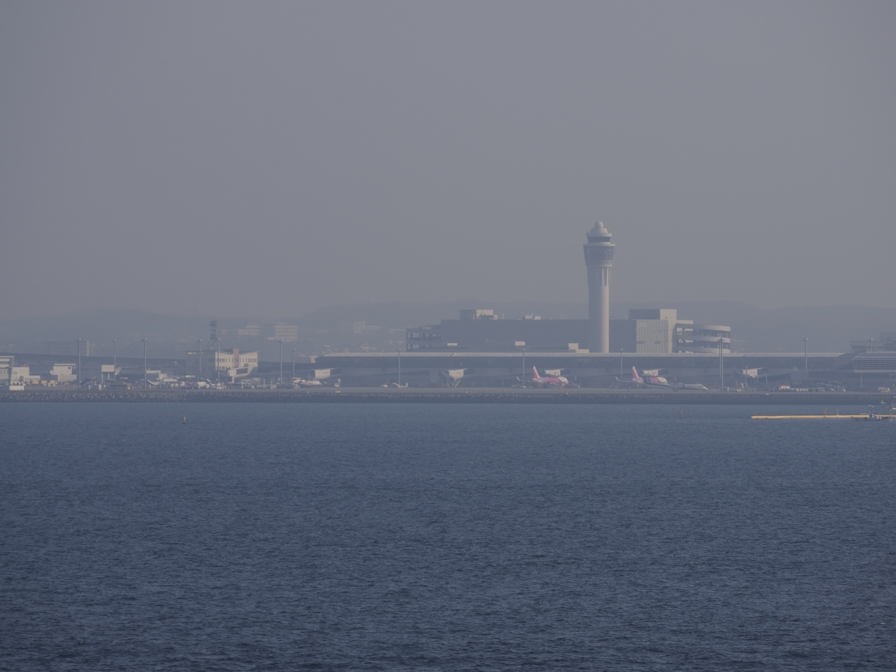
x,y
267,158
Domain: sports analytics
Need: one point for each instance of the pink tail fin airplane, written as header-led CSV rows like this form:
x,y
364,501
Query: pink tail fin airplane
x,y
550,381
653,381
659,381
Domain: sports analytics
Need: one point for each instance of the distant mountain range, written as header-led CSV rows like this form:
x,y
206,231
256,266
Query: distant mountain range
x,y
828,328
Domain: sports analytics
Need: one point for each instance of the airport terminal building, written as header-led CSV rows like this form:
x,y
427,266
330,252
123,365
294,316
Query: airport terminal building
x,y
646,331
649,331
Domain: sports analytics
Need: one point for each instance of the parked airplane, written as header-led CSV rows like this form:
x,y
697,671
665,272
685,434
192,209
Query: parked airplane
x,y
550,381
650,381
634,382
659,381
690,386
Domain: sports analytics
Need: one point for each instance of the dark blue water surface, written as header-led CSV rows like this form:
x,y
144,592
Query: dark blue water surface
x,y
443,537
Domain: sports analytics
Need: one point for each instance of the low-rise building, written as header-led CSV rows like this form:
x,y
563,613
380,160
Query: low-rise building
x,y
216,364
20,374
235,364
6,364
63,373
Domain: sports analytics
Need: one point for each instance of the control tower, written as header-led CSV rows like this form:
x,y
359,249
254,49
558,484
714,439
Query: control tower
x,y
599,260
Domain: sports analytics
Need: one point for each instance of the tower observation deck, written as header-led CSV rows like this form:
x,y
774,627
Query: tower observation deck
x,y
599,260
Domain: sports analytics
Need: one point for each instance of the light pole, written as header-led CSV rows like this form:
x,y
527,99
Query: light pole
x,y
79,363
280,341
399,367
114,375
200,359
524,364
806,352
620,362
144,362
293,364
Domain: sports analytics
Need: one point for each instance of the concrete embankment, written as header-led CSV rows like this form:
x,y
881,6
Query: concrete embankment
x,y
455,395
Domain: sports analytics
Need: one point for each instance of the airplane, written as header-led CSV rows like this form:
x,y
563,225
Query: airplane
x,y
659,381
690,386
550,381
650,381
635,381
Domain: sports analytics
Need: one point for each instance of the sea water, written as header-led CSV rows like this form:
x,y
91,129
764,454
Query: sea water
x,y
443,537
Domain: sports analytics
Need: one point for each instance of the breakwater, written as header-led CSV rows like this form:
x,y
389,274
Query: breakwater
x,y
454,395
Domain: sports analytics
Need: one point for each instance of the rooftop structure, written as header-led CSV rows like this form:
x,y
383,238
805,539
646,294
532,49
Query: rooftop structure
x,y
489,334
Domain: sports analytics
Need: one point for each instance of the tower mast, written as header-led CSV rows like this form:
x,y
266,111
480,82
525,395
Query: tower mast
x,y
599,260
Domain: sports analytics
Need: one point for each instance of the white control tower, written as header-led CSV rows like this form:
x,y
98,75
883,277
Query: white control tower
x,y
599,260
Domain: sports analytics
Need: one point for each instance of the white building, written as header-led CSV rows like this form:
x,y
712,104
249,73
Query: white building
x,y
236,364
108,373
22,374
6,364
703,338
63,373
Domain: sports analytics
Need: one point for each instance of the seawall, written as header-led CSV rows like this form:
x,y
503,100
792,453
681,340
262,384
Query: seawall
x,y
455,395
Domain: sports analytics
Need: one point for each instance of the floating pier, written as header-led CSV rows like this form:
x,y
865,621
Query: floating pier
x,y
836,416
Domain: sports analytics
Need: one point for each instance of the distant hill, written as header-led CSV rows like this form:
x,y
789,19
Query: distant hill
x,y
169,335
